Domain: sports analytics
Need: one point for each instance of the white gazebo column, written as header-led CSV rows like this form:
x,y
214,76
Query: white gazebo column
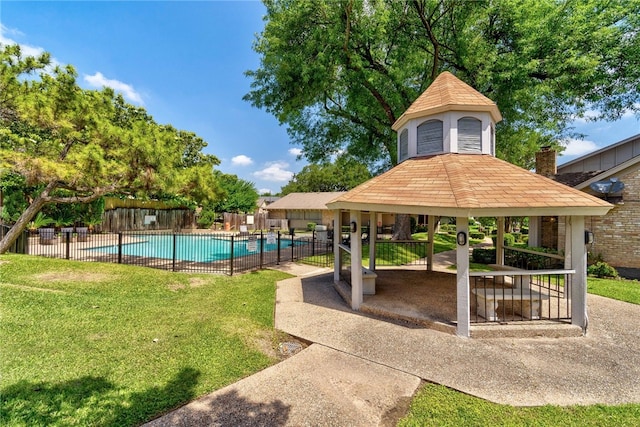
x,y
534,231
431,227
356,259
373,234
337,237
579,264
500,241
462,262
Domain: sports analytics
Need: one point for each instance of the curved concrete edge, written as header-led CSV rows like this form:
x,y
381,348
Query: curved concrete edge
x,y
319,386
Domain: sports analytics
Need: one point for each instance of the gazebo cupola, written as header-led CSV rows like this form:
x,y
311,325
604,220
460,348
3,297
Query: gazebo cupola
x,y
449,117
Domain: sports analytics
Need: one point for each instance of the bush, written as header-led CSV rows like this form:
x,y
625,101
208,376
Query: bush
x,y
206,219
476,235
509,239
484,255
311,226
601,269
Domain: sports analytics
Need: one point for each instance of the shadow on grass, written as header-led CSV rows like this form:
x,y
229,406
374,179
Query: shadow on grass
x,y
91,400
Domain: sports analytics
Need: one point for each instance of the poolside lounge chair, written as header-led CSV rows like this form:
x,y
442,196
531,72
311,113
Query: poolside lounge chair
x,y
83,234
47,236
66,233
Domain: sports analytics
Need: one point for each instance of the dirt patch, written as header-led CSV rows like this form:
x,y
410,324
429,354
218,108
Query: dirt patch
x,y
71,277
176,286
196,282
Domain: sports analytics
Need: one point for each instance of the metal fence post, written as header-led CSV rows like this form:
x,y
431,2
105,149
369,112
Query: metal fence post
x,y
278,259
120,247
175,243
231,256
313,242
292,234
261,250
67,246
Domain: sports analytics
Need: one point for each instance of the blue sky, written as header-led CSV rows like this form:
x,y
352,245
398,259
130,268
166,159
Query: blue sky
x,y
185,62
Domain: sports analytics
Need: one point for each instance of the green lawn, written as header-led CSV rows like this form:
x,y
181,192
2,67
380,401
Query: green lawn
x,y
623,290
436,405
114,345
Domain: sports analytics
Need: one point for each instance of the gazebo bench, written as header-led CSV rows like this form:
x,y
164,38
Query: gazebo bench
x,y
368,281
526,302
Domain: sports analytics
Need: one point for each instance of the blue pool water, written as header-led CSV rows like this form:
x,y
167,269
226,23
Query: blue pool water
x,y
199,248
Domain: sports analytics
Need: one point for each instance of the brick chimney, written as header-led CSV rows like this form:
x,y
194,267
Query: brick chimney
x,y
546,162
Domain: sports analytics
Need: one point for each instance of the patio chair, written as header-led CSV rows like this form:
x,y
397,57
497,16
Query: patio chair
x,y
66,233
83,234
244,231
47,236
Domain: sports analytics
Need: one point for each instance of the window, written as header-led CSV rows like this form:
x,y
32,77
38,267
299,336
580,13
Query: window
x,y
469,135
430,137
404,145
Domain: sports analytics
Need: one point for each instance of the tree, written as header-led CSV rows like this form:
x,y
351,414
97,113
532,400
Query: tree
x,y
343,175
340,73
76,145
238,195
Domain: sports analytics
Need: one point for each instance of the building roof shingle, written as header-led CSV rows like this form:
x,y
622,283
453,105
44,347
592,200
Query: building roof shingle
x,y
305,201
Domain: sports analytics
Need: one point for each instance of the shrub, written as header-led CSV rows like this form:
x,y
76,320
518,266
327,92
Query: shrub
x,y
476,235
206,218
484,255
509,239
311,226
602,269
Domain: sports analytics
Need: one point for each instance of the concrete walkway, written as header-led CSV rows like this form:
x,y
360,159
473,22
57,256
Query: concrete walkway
x,y
361,371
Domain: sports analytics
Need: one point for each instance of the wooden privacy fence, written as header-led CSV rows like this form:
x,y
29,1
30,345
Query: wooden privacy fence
x,y
138,219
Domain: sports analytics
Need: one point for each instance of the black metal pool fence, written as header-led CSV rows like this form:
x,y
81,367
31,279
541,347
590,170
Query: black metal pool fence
x,y
225,253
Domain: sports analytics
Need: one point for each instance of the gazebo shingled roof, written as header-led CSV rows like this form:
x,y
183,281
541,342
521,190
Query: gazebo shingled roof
x,y
467,185
448,93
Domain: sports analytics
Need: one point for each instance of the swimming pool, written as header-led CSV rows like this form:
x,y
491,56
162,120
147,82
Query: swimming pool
x,y
192,247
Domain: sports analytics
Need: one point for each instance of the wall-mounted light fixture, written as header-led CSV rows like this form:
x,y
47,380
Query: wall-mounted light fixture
x,y
588,237
461,238
354,226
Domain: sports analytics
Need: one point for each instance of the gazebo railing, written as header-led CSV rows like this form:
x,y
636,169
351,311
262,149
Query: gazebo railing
x,y
520,295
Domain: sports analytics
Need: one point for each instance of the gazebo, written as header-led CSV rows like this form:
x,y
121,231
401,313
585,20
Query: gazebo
x,y
447,168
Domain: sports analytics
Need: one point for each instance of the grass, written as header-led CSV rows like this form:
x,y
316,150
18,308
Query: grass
x,y
622,290
436,405
114,345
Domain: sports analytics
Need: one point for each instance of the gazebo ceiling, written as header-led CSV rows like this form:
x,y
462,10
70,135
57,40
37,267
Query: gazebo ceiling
x,y
467,185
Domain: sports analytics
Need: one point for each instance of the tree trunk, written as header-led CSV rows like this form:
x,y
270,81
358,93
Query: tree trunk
x,y
21,224
402,227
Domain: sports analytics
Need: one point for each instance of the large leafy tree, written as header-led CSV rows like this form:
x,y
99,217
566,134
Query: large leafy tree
x,y
237,195
341,175
340,72
75,145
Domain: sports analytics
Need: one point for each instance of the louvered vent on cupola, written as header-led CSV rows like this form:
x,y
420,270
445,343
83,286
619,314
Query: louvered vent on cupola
x,y
449,117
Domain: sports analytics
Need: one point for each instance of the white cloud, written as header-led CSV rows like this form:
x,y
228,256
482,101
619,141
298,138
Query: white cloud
x,y
25,49
265,191
578,147
295,151
99,81
276,171
241,160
